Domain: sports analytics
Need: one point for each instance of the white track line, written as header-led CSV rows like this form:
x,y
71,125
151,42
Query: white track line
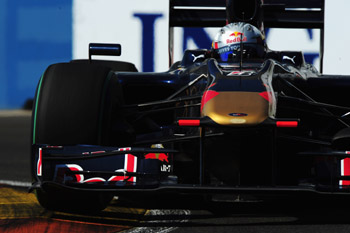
x,y
15,113
16,183
157,212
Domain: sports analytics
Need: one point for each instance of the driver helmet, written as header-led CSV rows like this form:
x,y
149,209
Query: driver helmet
x,y
228,41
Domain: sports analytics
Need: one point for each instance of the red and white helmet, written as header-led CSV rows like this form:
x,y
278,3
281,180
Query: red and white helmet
x,y
229,39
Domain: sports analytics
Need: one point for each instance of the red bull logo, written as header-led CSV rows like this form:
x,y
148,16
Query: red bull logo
x,y
160,156
236,37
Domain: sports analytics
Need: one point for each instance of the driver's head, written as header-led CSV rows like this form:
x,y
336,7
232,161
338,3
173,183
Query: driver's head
x,y
227,43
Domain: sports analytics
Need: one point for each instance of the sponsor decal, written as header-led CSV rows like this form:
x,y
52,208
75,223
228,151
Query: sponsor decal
x,y
95,179
160,156
94,152
289,58
98,152
54,147
130,165
344,171
197,57
39,163
75,167
124,149
236,114
245,73
236,37
236,34
238,121
165,168
61,174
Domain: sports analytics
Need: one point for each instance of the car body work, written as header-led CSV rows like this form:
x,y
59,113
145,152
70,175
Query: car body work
x,y
267,127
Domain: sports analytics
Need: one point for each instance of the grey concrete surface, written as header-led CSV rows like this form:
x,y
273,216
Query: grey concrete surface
x,y
15,145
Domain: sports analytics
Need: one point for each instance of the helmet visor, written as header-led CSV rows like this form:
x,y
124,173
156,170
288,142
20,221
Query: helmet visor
x,y
232,53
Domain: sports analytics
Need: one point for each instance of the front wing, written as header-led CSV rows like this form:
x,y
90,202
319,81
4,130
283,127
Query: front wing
x,y
147,170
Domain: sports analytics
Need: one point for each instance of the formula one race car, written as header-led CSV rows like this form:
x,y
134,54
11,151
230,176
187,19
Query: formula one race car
x,y
238,118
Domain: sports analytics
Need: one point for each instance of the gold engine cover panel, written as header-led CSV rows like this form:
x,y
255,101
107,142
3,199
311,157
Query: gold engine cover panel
x,y
237,108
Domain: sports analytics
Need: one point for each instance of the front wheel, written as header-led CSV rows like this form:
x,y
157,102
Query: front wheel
x,y
76,103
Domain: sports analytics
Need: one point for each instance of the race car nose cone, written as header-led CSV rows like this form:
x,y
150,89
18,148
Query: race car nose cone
x,y
237,108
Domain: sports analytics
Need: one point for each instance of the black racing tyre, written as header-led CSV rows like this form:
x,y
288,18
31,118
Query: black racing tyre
x,y
120,66
77,103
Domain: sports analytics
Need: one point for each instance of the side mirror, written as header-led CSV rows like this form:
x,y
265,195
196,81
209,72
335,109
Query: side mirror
x,y
104,49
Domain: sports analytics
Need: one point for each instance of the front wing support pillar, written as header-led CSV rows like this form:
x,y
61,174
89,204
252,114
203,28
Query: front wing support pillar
x,y
201,163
